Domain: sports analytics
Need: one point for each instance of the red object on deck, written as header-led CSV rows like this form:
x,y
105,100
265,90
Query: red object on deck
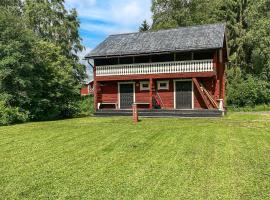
x,y
157,100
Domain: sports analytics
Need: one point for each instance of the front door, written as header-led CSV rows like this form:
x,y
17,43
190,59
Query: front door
x,y
126,95
183,94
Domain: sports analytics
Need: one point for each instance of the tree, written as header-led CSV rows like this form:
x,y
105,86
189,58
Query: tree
x,y
258,38
173,13
11,6
144,26
37,80
16,66
52,22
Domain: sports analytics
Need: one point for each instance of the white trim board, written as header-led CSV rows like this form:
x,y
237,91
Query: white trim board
x,y
174,92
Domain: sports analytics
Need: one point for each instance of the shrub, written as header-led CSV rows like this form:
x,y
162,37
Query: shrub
x,y
247,91
87,105
10,115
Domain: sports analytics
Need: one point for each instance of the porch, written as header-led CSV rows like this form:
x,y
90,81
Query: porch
x,y
158,94
160,113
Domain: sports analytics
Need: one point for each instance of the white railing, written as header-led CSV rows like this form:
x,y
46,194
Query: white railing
x,y
156,68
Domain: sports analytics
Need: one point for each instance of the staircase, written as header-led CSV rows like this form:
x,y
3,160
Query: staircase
x,y
207,98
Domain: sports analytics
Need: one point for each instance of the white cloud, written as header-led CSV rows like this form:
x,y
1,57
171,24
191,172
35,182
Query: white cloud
x,y
80,3
106,29
124,13
121,11
130,12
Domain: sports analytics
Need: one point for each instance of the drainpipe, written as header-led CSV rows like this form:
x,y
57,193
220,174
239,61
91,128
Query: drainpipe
x,y
95,88
90,63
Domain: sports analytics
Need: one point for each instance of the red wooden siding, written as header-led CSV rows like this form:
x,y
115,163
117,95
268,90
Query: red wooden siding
x,y
87,89
167,96
108,93
141,96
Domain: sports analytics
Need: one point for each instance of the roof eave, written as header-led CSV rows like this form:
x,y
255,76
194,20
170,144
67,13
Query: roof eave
x,y
150,53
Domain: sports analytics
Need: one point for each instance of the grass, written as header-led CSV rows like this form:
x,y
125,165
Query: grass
x,y
111,158
255,108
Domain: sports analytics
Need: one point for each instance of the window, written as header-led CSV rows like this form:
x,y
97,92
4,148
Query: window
x,y
144,85
163,85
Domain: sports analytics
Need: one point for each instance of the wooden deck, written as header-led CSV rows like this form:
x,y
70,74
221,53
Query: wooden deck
x,y
160,113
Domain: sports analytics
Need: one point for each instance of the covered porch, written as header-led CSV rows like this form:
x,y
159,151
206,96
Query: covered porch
x,y
158,94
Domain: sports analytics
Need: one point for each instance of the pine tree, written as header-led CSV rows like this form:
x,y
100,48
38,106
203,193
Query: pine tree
x,y
144,26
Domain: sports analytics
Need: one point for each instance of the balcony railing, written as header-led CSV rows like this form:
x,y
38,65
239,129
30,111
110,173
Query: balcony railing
x,y
156,68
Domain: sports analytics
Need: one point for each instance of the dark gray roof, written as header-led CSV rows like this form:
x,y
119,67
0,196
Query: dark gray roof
x,y
179,39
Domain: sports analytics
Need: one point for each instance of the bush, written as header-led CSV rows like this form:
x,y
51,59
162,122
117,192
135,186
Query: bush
x,y
87,105
246,91
10,115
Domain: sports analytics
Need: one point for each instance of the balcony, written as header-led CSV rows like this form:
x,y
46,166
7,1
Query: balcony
x,y
156,68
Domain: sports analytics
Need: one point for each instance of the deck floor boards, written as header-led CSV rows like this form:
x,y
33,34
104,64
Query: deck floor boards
x,y
160,113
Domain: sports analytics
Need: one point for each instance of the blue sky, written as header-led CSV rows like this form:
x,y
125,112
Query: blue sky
x,y
100,18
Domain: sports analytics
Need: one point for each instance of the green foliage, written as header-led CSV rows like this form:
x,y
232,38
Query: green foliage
x,y
58,89
249,91
87,105
38,77
52,22
144,26
16,61
173,13
10,115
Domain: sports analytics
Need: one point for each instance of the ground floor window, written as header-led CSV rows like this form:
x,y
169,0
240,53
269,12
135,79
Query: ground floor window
x,y
163,85
144,85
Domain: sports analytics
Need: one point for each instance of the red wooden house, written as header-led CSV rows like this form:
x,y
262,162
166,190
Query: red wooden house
x,y
87,88
175,72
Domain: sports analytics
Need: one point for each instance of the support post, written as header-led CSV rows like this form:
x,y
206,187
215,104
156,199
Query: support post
x,y
96,88
151,88
217,77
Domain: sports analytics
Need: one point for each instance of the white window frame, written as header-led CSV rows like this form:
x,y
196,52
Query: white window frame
x,y
143,88
163,88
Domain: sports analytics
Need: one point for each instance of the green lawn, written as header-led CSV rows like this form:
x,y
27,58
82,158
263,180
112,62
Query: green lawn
x,y
111,158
